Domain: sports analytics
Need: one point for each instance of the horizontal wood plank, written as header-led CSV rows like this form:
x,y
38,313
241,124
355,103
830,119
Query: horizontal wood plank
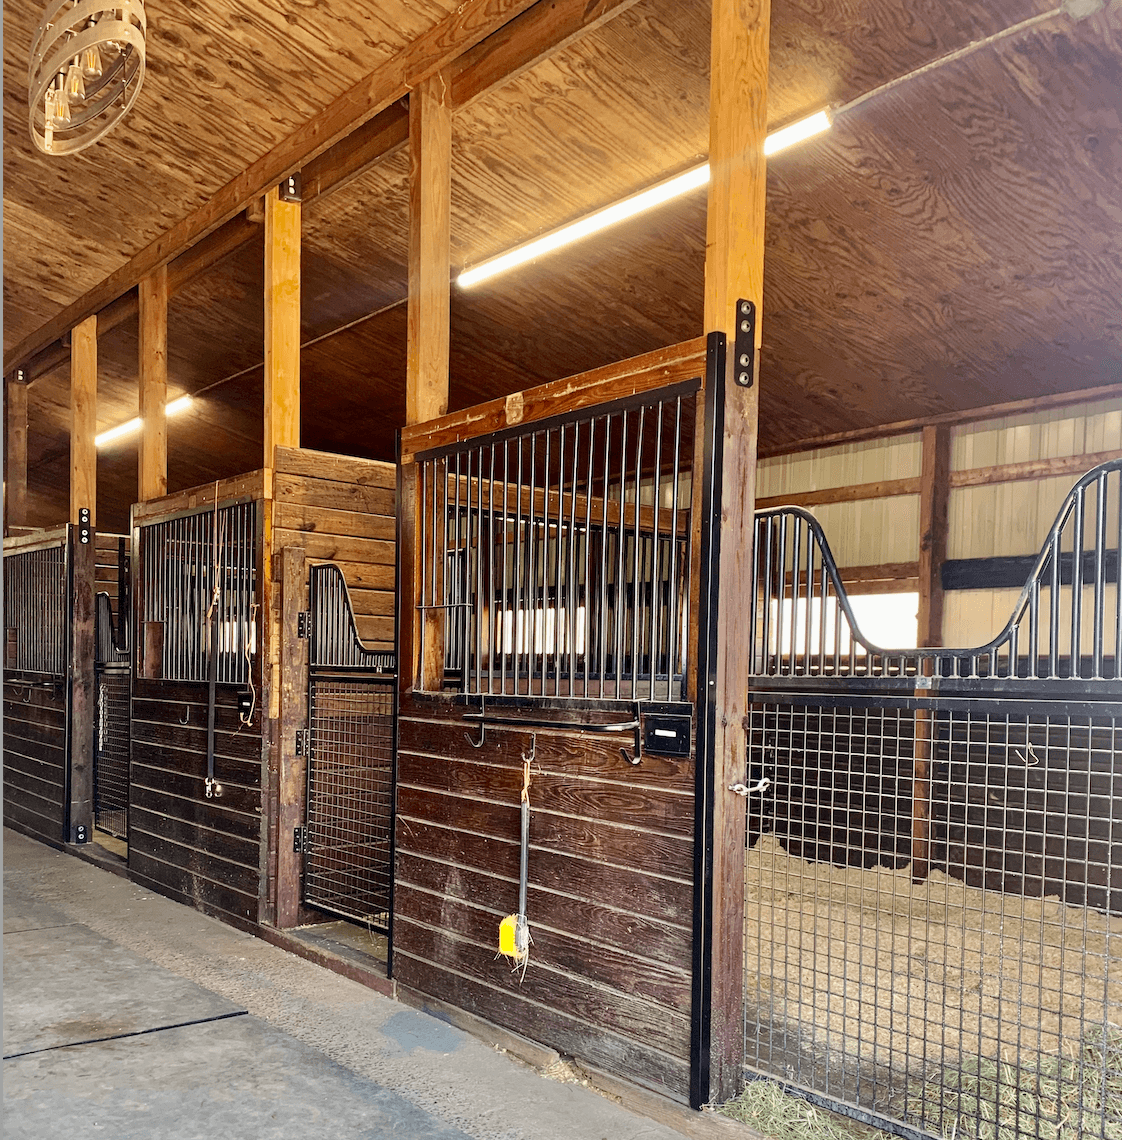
x,y
341,468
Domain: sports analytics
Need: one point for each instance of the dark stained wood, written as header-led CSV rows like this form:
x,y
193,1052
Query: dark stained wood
x,y
83,698
15,454
35,759
934,499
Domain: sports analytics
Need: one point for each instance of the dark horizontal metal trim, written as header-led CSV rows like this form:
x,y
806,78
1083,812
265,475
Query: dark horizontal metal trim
x,y
1012,573
975,706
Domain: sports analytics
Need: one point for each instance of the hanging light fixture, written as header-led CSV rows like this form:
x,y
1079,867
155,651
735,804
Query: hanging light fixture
x,y
85,71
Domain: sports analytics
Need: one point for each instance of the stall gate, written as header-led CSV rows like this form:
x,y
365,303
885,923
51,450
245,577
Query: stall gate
x,y
112,721
348,838
934,883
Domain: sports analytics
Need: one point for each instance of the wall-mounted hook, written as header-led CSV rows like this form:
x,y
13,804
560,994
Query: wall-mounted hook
x,y
186,715
27,699
482,724
636,756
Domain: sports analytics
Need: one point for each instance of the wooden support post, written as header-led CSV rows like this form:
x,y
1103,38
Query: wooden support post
x,y
934,493
282,324
83,419
15,454
153,458
734,262
426,382
430,188
83,493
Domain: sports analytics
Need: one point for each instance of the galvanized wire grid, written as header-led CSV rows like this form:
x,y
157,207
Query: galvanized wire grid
x,y
350,799
984,1000
111,756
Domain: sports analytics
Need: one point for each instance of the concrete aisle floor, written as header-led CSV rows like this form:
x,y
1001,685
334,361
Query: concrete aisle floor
x,y
129,1016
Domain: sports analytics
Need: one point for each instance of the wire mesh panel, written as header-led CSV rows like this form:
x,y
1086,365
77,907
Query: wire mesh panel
x,y
197,580
348,856
36,610
555,558
111,754
983,1000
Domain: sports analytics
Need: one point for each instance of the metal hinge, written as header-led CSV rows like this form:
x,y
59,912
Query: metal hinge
x,y
299,839
744,344
303,623
303,741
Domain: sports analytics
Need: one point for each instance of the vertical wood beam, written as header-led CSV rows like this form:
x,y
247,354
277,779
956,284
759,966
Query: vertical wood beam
x,y
934,496
430,188
83,419
426,381
15,454
153,453
734,262
282,324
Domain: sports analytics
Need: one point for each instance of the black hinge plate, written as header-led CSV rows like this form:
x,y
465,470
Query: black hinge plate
x,y
290,189
85,528
303,741
744,344
303,623
299,839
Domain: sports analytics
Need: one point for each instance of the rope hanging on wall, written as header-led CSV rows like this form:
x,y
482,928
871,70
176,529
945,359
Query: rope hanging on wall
x,y
514,930
85,71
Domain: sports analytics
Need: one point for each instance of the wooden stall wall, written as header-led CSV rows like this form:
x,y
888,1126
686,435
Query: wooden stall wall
x,y
325,508
610,888
35,738
207,853
108,549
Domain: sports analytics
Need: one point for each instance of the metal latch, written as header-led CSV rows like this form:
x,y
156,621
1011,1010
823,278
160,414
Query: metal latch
x,y
303,741
299,839
755,790
303,623
213,788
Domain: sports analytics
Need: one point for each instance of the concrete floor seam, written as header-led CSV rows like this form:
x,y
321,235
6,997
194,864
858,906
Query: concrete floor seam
x,y
133,1033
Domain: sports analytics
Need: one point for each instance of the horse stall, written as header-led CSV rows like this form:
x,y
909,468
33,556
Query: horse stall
x,y
255,595
934,882
545,799
63,719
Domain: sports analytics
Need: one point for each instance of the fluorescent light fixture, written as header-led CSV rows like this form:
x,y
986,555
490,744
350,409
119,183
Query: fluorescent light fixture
x,y
635,204
171,409
798,132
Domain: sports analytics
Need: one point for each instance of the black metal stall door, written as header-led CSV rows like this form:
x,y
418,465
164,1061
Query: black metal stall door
x,y
112,724
348,844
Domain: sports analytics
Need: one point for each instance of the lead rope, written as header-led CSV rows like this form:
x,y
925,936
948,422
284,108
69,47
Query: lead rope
x,y
514,930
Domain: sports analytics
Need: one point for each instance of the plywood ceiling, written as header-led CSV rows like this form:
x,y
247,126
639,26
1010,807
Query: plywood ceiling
x,y
954,241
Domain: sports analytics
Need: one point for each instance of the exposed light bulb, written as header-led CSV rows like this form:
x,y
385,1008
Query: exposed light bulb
x,y
75,84
91,63
61,116
49,119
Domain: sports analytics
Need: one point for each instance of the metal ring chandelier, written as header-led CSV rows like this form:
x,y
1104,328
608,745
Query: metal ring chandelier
x,y
86,68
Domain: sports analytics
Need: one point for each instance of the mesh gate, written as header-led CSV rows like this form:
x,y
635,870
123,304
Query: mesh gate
x,y
348,846
933,893
113,722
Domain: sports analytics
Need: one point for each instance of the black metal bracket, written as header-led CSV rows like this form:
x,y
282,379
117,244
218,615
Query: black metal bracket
x,y
299,839
85,528
303,624
744,344
290,189
303,741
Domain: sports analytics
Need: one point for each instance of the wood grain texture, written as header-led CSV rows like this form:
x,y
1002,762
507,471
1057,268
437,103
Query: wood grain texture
x,y
430,190
934,499
15,454
153,313
734,270
83,419
35,759
282,325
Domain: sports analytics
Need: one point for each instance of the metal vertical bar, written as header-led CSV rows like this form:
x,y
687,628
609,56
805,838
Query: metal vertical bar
x,y
636,597
516,597
478,607
492,611
619,608
602,593
656,580
674,646
588,554
796,560
1099,612
1077,585
531,572
1054,609
1118,581
506,606
571,570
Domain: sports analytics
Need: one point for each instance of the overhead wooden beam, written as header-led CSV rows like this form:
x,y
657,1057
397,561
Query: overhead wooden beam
x,y
468,24
430,189
15,454
83,419
934,497
282,324
734,269
152,480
